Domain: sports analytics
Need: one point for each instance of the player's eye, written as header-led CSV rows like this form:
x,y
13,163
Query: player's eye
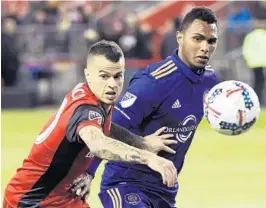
x,y
103,76
118,76
197,38
212,41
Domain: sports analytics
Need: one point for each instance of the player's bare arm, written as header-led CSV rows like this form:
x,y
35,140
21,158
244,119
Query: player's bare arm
x,y
110,149
153,143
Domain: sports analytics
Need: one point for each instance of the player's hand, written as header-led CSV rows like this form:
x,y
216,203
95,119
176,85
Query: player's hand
x,y
157,142
165,167
81,186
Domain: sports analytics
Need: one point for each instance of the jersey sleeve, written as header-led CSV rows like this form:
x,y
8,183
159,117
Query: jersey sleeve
x,y
139,101
84,115
94,165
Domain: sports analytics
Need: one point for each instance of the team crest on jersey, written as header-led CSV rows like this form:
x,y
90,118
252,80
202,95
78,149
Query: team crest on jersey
x,y
93,115
132,199
128,100
185,129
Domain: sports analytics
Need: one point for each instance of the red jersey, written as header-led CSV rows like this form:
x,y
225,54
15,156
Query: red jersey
x,y
58,155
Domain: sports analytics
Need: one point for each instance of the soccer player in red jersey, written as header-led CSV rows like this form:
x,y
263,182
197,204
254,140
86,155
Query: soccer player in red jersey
x,y
80,131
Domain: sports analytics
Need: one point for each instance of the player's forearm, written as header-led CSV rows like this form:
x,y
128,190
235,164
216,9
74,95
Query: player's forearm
x,y
119,133
110,149
119,151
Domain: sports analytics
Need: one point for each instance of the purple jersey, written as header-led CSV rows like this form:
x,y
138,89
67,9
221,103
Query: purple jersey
x,y
167,93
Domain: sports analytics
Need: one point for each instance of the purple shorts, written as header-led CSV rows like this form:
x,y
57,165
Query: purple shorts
x,y
129,196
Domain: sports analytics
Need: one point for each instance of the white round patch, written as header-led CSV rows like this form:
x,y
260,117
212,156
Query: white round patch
x,y
132,199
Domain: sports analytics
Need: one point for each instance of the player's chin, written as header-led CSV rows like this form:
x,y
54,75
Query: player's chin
x,y
200,64
109,101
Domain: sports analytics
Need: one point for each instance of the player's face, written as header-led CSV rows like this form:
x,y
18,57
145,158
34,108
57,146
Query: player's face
x,y
105,78
197,43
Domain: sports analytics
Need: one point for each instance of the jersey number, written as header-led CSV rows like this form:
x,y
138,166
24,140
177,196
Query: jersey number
x,y
44,135
77,93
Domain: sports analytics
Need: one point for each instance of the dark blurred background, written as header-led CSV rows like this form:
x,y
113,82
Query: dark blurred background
x,y
44,43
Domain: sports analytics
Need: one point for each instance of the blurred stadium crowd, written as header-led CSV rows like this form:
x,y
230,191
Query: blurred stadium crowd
x,y
44,43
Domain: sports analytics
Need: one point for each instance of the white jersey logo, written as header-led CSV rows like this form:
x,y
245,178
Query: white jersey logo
x,y
185,128
176,104
128,100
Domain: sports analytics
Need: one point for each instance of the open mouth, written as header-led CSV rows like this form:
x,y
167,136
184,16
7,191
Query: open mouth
x,y
111,93
203,57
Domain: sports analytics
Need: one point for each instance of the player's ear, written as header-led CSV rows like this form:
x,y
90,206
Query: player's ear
x,y
179,37
86,73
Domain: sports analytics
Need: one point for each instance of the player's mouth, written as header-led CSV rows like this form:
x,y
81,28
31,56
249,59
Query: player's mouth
x,y
111,95
203,59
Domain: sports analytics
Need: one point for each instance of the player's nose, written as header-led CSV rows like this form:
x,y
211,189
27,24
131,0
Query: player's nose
x,y
112,82
205,47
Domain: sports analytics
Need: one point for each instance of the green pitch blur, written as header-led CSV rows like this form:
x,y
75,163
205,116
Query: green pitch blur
x,y
219,172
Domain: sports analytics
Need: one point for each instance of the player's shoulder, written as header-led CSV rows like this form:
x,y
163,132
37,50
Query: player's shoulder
x,y
82,94
81,99
158,78
152,80
162,70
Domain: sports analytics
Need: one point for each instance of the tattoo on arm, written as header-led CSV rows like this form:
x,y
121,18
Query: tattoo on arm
x,y
119,133
110,149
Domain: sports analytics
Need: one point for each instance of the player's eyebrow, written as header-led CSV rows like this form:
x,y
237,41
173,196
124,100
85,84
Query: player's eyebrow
x,y
103,71
213,39
200,35
118,73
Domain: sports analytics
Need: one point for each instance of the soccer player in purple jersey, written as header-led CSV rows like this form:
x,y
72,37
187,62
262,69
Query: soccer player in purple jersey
x,y
168,93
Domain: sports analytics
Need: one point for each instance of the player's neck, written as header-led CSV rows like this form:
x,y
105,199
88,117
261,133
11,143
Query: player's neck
x,y
106,107
182,58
